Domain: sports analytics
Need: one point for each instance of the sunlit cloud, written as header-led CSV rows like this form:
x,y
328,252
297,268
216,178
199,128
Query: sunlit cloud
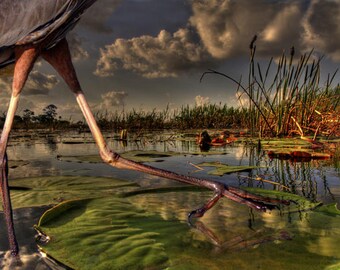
x,y
241,100
166,55
201,101
222,29
281,25
111,100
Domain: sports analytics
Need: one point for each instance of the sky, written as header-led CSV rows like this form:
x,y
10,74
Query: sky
x,y
149,54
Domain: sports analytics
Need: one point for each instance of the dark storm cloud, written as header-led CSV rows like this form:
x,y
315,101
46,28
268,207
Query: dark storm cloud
x,y
225,29
97,16
322,27
40,84
78,52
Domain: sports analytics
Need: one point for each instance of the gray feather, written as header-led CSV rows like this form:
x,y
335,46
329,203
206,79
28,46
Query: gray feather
x,y
34,21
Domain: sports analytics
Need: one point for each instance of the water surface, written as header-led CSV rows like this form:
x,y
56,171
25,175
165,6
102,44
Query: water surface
x,y
229,236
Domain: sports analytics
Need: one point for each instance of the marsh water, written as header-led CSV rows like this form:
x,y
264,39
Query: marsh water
x,y
229,236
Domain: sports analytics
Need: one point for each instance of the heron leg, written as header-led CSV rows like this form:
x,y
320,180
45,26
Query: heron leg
x,y
25,58
59,57
200,211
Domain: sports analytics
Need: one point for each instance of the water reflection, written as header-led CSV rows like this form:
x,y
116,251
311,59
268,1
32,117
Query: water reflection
x,y
30,257
227,226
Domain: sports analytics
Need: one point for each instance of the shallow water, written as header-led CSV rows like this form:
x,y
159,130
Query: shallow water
x,y
317,180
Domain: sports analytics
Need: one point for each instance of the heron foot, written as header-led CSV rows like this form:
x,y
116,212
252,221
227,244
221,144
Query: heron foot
x,y
254,201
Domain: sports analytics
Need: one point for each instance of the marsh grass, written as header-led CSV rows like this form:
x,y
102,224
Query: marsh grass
x,y
285,96
187,117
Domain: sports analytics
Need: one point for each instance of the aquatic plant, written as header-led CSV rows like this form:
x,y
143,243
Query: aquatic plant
x,y
286,96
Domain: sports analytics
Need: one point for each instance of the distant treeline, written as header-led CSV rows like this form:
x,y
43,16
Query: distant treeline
x,y
208,116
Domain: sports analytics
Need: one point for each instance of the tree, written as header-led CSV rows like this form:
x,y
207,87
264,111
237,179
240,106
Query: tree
x,y
27,117
49,114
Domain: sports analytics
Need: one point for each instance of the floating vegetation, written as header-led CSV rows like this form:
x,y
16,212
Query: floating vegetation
x,y
221,169
149,231
38,191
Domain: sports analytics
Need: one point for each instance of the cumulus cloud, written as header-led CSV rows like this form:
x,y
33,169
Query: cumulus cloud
x,y
226,27
201,101
153,57
112,99
221,29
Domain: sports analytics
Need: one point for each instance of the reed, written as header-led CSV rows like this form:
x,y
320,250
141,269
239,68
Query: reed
x,y
208,116
287,94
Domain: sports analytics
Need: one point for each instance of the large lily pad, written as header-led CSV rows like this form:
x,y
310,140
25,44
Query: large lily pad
x,y
149,231
39,191
98,234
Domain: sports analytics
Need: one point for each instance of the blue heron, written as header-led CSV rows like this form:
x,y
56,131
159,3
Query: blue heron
x,y
41,31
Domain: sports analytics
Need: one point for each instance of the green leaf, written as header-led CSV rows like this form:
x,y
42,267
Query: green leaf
x,y
329,209
40,191
104,233
298,203
221,169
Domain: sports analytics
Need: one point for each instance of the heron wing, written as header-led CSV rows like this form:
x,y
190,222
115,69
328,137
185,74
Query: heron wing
x,y
31,21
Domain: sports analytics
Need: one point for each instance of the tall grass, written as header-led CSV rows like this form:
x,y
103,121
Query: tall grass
x,y
208,116
187,117
286,96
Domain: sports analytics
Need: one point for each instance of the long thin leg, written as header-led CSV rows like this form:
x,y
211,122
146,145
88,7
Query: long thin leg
x,y
7,207
59,57
200,211
25,58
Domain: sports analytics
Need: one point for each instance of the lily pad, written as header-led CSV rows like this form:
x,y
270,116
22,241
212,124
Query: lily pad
x,y
285,142
298,203
100,234
81,159
149,231
221,169
147,156
39,191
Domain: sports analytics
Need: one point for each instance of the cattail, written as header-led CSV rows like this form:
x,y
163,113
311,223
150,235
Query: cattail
x,y
251,46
